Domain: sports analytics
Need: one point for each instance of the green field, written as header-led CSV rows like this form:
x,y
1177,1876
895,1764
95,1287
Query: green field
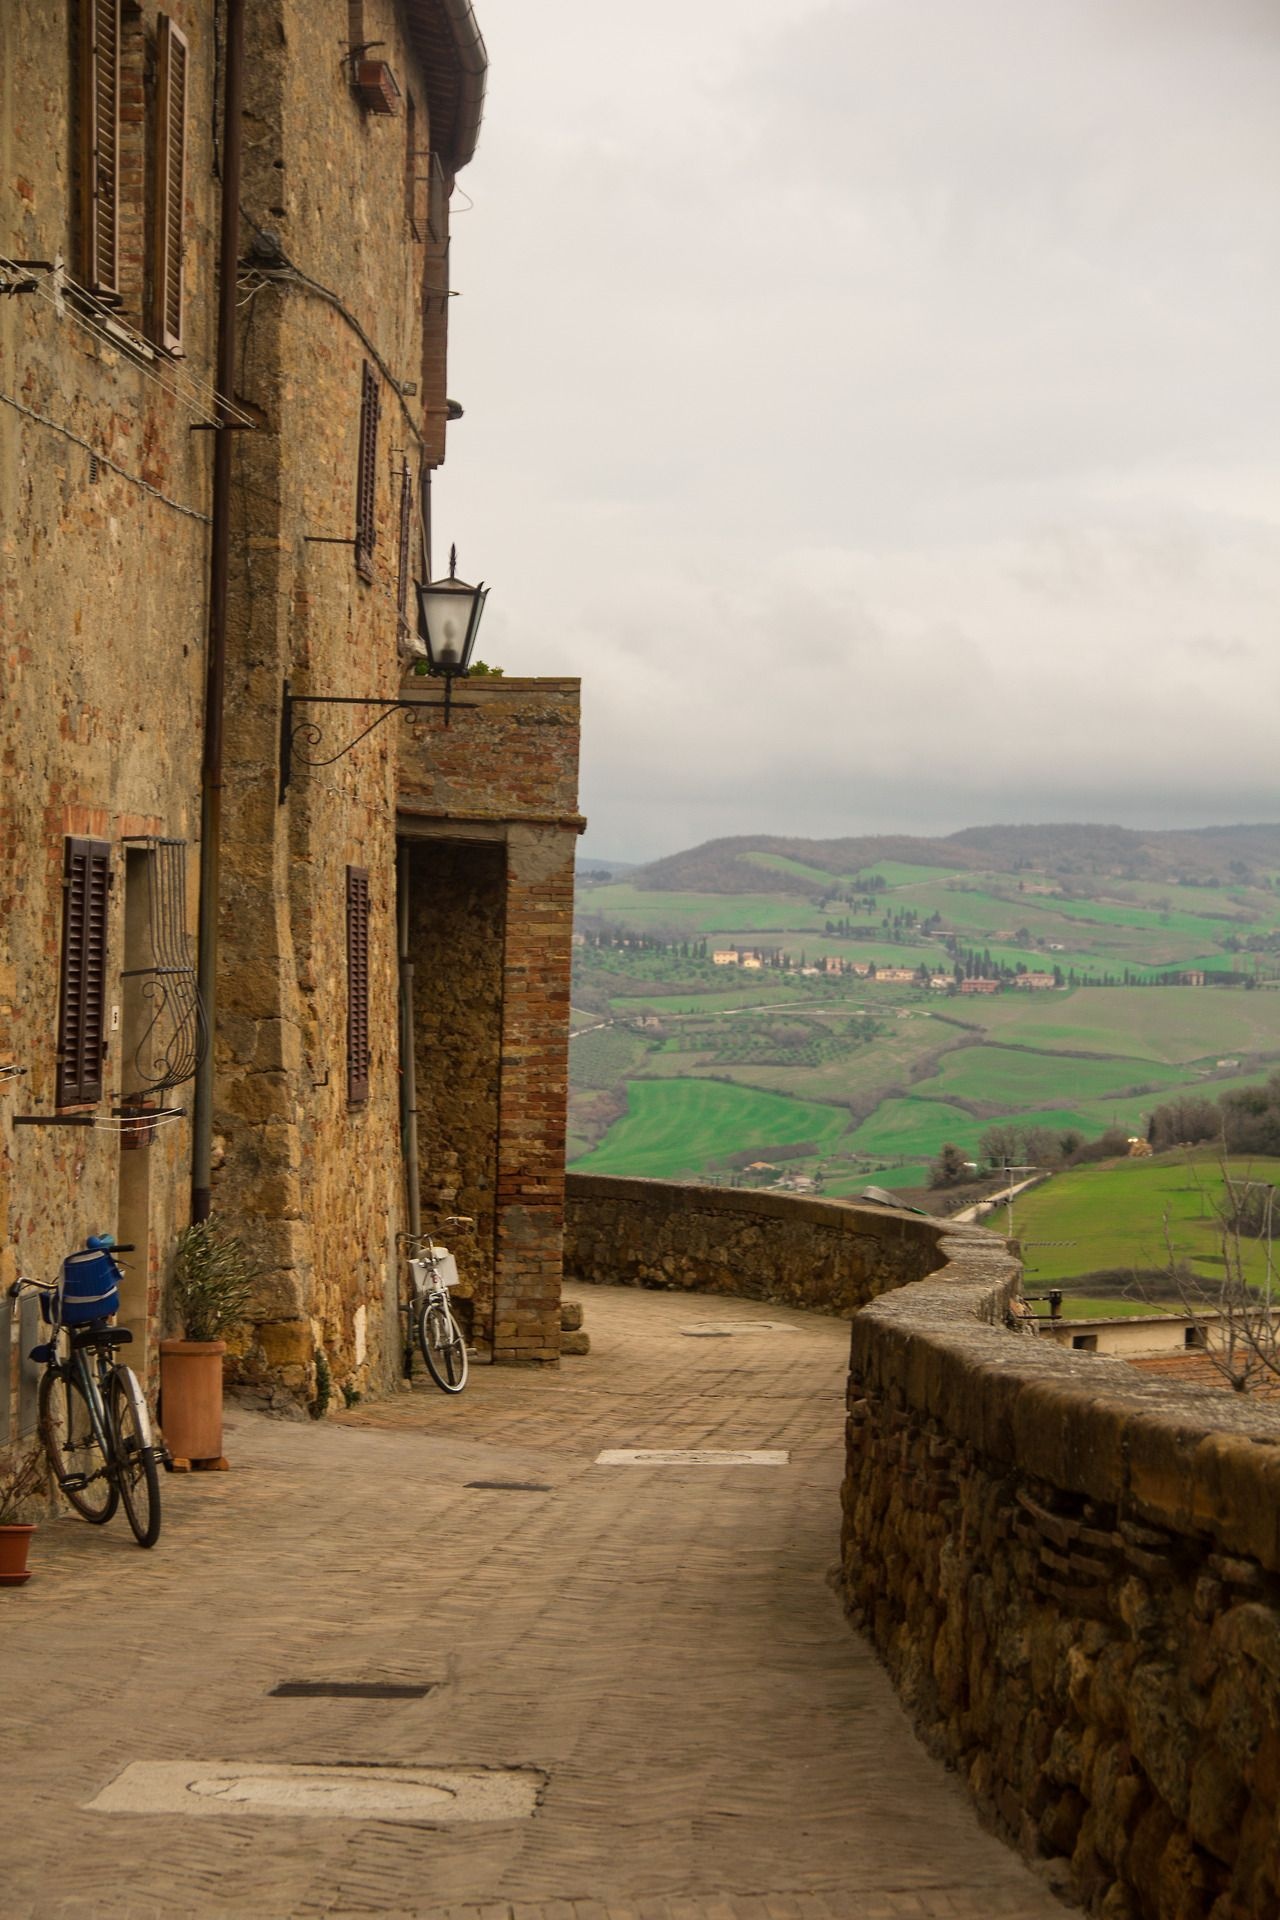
x,y
689,914
920,1128
1173,1024
1017,1081
672,1128
1114,1216
741,1059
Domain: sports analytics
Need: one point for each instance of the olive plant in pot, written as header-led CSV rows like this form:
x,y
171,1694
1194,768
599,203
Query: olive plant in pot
x,y
213,1283
20,1485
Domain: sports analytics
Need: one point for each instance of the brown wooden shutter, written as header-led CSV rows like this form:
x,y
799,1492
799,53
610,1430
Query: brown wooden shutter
x,y
411,165
367,474
100,144
405,555
437,202
170,197
82,1010
357,985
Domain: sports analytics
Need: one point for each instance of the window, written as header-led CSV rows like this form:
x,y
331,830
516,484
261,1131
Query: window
x,y
357,985
367,474
99,65
82,1009
171,156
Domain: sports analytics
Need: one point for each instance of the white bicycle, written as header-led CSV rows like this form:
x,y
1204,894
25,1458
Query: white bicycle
x,y
432,1271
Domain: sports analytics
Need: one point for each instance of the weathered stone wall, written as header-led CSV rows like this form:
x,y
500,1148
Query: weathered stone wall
x,y
537,963
1072,1573
510,753
457,893
757,1246
499,788
104,501
317,1182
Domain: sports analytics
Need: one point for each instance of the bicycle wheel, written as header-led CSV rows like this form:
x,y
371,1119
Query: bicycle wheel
x,y
443,1347
135,1461
72,1449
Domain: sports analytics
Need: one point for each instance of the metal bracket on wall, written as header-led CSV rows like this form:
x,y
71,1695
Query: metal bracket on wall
x,y
313,735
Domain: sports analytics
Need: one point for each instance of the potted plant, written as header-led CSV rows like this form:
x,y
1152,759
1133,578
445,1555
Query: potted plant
x,y
213,1283
19,1484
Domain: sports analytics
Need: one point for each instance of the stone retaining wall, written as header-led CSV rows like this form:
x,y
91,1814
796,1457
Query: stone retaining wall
x,y
1072,1572
757,1246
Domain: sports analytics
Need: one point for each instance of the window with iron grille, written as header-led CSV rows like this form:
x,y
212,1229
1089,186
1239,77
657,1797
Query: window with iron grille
x,y
367,474
82,1001
99,104
170,185
357,985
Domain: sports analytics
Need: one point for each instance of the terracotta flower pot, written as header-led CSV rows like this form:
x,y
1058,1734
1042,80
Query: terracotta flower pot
x,y
15,1541
191,1400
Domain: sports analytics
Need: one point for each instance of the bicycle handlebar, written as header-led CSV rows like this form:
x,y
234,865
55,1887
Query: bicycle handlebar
x,y
427,1239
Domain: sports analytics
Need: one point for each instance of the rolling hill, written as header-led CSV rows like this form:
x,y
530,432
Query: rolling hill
x,y
1127,923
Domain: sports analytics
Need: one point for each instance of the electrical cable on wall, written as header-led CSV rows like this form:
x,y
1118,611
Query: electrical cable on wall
x,y
63,294
192,513
286,273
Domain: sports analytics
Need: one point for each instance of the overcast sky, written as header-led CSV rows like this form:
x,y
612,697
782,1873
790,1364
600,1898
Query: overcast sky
x,y
877,404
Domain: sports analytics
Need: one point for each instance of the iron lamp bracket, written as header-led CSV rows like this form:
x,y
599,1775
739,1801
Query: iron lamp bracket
x,y
311,734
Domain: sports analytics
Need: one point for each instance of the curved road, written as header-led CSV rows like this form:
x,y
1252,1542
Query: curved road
x,y
657,1647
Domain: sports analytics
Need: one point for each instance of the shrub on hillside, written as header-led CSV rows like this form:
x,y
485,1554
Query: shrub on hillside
x,y
1111,1145
951,1169
1251,1118
1184,1122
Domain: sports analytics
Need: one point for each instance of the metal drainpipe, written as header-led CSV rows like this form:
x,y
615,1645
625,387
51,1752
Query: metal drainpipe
x,y
408,1063
216,664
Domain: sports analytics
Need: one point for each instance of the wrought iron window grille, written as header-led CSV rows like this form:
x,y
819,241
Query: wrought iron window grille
x,y
174,1039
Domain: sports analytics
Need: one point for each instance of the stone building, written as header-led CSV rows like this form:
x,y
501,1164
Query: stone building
x,y
334,851
106,377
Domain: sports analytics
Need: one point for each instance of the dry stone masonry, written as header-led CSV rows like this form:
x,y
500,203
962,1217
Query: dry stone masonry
x,y
1071,1572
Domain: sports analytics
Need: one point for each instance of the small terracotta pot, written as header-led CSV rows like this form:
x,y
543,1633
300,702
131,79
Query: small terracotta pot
x,y
15,1542
191,1398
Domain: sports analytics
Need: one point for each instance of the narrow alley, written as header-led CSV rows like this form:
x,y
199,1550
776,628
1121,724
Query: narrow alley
x,y
646,1664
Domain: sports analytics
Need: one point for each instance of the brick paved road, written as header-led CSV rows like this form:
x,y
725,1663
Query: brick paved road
x,y
663,1643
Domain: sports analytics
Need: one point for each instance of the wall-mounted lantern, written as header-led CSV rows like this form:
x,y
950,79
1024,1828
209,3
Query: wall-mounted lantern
x,y
449,615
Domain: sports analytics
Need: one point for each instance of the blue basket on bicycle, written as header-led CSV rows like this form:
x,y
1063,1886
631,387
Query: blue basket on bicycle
x,y
90,1289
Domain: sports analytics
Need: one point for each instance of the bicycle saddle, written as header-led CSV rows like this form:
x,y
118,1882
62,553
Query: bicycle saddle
x,y
99,1337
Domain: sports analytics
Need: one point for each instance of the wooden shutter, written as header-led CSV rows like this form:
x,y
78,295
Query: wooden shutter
x,y
411,165
437,202
367,474
357,985
82,1011
405,556
100,144
170,195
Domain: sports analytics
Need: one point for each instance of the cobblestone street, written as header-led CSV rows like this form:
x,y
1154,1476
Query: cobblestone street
x,y
659,1645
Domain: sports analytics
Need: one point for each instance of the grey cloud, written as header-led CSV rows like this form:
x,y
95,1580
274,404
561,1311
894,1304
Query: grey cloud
x,y
876,404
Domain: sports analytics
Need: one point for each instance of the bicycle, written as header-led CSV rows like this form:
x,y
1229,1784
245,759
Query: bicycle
x,y
93,1419
432,1271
